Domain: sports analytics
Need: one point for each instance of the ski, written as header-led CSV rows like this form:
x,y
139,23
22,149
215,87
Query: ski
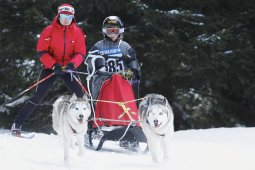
x,y
25,135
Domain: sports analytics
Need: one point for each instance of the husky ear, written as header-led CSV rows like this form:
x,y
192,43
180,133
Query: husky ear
x,y
73,98
165,101
85,97
148,100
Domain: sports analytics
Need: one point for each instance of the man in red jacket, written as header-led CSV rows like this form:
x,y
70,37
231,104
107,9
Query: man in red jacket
x,y
61,47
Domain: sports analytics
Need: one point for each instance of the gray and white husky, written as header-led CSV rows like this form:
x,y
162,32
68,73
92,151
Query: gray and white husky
x,y
69,117
157,124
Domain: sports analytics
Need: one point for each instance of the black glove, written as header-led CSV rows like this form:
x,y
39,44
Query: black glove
x,y
126,58
99,63
57,68
70,66
127,74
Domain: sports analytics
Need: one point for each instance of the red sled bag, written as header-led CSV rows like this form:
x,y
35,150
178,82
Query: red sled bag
x,y
116,89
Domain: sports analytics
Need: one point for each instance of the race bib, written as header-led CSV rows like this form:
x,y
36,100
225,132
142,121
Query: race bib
x,y
114,65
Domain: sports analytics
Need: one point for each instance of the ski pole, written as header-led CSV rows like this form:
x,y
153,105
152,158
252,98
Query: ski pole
x,y
78,81
29,88
83,88
78,72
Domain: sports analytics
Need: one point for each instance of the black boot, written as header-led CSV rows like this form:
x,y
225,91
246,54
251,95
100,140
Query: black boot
x,y
16,129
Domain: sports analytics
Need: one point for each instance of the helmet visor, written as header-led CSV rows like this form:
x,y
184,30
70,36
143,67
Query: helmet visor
x,y
110,31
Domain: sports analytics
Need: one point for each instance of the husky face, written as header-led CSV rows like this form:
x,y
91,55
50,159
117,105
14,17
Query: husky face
x,y
157,116
79,111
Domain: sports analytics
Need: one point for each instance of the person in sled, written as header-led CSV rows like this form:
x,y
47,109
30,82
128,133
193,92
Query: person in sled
x,y
61,47
117,55
112,55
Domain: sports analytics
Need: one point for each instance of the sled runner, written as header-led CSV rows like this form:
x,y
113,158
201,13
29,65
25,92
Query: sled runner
x,y
115,116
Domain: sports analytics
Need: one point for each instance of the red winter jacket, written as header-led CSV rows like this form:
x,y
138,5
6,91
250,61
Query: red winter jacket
x,y
61,44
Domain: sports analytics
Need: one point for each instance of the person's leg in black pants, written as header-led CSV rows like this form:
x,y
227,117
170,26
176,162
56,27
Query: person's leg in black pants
x,y
72,85
41,91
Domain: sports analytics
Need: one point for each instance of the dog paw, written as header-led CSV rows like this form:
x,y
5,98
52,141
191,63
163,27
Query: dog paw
x,y
67,163
155,159
166,157
81,153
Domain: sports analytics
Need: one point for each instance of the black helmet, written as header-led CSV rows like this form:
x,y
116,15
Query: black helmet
x,y
112,22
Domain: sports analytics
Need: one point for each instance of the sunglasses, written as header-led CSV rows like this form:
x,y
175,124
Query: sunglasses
x,y
66,16
110,31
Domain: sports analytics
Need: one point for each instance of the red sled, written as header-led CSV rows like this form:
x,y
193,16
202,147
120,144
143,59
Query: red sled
x,y
116,105
116,109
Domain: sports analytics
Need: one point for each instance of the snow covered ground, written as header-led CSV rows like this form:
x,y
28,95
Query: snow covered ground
x,y
207,149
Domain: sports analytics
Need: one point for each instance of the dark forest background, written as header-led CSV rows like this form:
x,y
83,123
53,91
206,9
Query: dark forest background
x,y
199,54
